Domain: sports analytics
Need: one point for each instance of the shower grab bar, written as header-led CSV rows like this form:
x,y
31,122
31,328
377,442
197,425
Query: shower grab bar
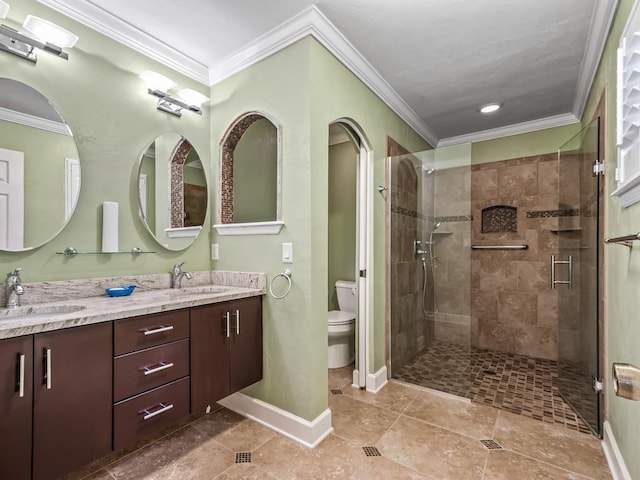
x,y
626,240
500,247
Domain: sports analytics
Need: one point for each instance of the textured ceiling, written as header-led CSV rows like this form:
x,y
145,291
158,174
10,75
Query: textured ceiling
x,y
445,58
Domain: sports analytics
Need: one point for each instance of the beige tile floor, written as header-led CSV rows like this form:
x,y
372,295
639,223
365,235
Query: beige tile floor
x,y
419,434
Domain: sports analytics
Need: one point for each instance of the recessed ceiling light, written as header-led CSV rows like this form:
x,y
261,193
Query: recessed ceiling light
x,y
490,108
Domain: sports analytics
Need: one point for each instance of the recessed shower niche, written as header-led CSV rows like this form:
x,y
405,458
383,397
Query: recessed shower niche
x,y
499,219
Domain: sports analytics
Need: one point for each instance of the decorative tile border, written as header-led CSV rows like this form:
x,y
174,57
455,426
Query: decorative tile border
x,y
553,213
406,212
455,218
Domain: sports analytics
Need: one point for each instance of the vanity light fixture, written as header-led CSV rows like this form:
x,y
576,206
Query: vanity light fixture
x,y
490,108
4,9
188,99
38,34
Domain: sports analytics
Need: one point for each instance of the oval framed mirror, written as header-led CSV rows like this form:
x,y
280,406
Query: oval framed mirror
x,y
39,168
249,183
172,191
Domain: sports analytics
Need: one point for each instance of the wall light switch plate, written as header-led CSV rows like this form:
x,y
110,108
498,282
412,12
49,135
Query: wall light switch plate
x,y
287,253
214,252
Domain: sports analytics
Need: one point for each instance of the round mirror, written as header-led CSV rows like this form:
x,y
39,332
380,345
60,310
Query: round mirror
x,y
39,168
172,189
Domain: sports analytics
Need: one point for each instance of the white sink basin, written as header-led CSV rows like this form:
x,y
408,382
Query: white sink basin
x,y
199,290
37,311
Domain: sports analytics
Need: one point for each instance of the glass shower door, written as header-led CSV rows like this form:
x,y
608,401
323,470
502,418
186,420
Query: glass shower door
x,y
577,273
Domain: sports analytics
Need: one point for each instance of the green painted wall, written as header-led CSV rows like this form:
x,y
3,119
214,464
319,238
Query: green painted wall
x,y
304,88
343,160
524,145
44,177
113,119
255,174
622,276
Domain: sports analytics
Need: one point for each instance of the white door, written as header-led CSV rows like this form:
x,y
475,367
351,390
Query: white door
x,y
142,195
11,199
71,186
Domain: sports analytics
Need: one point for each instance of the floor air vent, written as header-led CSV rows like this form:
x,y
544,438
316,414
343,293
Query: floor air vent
x,y
491,444
243,457
336,391
371,451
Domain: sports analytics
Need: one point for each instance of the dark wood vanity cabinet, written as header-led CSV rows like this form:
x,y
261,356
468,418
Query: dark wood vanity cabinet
x,y
226,350
70,396
151,374
16,404
55,413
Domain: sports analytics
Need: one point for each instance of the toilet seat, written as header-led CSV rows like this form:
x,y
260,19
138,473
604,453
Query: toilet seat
x,y
340,317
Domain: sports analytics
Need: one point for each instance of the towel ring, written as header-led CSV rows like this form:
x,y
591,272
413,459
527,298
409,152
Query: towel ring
x,y
286,274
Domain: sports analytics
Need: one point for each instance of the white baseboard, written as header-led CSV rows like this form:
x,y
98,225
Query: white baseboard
x,y
305,432
614,457
376,381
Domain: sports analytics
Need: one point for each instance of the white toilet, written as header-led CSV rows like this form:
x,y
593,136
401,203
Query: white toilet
x,y
342,325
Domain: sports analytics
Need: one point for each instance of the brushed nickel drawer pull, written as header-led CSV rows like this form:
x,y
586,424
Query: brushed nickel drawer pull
x,y
47,374
163,408
227,318
162,366
237,322
21,376
151,331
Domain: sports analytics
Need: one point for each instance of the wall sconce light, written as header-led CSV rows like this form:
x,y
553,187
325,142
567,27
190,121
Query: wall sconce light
x,y
38,34
188,99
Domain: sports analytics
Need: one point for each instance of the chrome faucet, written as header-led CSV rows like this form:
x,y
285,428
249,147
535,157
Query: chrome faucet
x,y
14,289
177,274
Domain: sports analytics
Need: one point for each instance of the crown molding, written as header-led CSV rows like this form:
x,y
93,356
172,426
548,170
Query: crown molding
x,y
98,19
516,129
601,21
312,21
35,122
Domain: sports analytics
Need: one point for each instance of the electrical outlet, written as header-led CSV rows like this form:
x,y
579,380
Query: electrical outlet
x,y
214,252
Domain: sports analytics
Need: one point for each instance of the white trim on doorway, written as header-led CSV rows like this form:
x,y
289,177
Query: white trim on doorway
x,y
364,274
377,381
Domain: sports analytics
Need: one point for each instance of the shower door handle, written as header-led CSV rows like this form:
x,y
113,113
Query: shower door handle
x,y
569,263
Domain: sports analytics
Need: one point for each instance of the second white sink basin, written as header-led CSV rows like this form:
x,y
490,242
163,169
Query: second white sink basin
x,y
37,311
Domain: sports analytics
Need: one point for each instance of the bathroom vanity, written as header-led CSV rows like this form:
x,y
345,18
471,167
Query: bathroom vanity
x,y
78,384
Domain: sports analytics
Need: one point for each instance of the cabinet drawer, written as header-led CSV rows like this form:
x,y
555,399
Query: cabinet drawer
x,y
143,332
137,372
140,416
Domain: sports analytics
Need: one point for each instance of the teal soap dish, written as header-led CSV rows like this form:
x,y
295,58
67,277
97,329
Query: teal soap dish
x,y
120,291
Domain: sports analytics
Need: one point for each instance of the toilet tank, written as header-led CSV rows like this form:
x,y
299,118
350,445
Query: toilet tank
x,y
347,298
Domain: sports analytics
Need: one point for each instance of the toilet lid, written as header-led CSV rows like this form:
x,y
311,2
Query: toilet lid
x,y
339,317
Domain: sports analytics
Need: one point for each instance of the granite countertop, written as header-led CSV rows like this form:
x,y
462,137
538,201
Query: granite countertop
x,y
84,310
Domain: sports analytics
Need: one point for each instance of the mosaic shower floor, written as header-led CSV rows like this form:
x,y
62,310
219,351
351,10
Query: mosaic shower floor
x,y
515,383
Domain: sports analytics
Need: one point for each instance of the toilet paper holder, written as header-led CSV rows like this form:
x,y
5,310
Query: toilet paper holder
x,y
626,381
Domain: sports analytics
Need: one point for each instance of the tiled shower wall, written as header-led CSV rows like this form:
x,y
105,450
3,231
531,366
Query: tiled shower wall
x,y
411,329
513,307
